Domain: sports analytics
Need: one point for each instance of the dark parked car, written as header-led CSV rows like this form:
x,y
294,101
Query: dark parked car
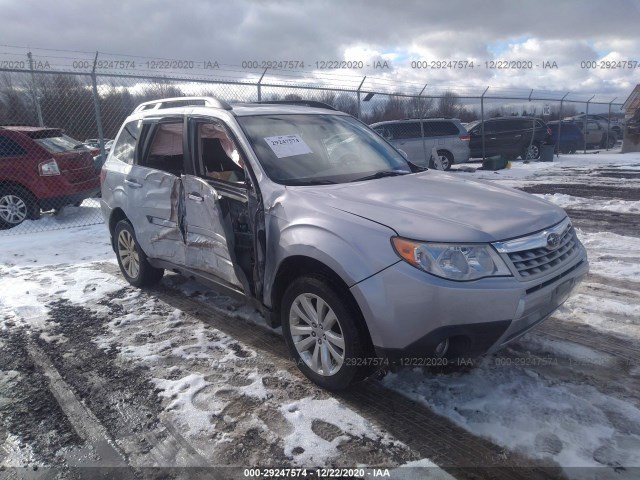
x,y
509,136
42,169
571,137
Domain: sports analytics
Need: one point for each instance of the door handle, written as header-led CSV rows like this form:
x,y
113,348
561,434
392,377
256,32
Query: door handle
x,y
132,182
518,136
196,198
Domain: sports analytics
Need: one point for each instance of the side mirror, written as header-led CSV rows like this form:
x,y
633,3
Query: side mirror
x,y
404,154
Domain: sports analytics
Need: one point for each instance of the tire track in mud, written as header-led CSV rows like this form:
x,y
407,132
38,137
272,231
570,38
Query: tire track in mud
x,y
627,224
122,403
624,349
585,190
454,449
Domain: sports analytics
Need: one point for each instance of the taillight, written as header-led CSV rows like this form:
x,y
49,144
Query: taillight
x,y
465,138
48,168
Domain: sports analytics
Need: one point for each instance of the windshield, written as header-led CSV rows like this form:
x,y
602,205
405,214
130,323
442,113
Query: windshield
x,y
316,149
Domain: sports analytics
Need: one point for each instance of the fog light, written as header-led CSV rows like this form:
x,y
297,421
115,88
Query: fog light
x,y
442,348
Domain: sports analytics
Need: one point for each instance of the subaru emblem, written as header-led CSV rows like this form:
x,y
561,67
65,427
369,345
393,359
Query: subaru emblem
x,y
553,241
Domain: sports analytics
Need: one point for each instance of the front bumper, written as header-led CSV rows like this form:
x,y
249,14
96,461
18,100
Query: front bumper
x,y
409,312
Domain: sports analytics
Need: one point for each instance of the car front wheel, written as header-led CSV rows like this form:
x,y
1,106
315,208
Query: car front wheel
x,y
446,159
323,333
133,262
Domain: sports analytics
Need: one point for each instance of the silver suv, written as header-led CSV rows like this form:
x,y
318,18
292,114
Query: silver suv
x,y
364,258
446,135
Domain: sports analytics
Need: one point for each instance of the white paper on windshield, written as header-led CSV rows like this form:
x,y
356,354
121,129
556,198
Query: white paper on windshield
x,y
287,145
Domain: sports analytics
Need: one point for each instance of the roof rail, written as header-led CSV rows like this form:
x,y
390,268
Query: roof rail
x,y
303,103
183,101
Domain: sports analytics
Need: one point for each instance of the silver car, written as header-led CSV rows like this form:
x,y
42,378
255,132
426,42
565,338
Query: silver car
x,y
364,258
446,135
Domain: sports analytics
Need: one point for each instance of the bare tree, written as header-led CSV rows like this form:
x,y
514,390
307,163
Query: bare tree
x,y
16,105
448,105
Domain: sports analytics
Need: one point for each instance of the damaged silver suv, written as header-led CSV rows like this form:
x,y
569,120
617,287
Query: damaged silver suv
x,y
362,257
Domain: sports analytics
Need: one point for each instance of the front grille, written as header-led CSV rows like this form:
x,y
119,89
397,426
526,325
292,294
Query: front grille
x,y
536,262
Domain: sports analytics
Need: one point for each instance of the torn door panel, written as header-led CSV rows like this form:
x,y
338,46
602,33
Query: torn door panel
x,y
209,234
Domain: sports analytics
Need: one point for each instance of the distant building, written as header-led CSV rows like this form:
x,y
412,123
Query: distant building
x,y
631,139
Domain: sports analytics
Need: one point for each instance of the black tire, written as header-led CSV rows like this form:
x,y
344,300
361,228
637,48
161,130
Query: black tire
x,y
24,203
143,276
531,152
354,367
445,157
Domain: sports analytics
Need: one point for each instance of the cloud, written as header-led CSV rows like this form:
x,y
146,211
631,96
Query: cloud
x,y
368,30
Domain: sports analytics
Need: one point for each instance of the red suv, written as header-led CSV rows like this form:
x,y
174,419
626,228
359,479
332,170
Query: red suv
x,y
42,169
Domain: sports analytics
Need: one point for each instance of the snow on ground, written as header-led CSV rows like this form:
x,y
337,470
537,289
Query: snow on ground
x,y
569,201
574,424
522,173
68,217
611,255
230,404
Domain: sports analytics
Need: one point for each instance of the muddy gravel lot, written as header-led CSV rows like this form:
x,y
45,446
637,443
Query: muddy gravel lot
x,y
102,380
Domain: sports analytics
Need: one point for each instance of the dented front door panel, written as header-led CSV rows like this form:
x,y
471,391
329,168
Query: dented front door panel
x,y
208,231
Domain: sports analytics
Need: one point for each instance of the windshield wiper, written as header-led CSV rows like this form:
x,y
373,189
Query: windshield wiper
x,y
381,174
310,182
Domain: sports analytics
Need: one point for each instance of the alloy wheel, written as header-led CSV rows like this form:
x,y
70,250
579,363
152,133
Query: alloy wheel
x,y
444,161
128,253
13,209
532,152
317,334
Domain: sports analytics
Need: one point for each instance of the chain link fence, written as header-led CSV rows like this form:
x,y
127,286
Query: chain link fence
x,y
56,127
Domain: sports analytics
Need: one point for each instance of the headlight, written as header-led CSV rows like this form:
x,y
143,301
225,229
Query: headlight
x,y
455,262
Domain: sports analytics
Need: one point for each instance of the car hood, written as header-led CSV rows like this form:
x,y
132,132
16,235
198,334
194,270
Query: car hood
x,y
439,207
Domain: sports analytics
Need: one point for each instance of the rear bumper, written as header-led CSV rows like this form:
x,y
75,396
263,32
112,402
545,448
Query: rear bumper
x,y
409,312
58,191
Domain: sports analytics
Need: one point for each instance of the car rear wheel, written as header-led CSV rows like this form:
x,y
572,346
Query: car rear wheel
x,y
16,206
446,159
133,262
531,152
322,331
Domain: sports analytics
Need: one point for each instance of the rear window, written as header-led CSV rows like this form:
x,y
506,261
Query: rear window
x,y
58,144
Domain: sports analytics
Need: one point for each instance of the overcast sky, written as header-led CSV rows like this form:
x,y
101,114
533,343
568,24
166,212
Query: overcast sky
x,y
561,31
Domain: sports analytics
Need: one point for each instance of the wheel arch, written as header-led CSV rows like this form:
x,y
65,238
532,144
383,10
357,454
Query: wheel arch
x,y
296,266
14,183
116,215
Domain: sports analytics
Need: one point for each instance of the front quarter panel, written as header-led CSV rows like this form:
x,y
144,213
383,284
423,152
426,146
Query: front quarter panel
x,y
351,246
